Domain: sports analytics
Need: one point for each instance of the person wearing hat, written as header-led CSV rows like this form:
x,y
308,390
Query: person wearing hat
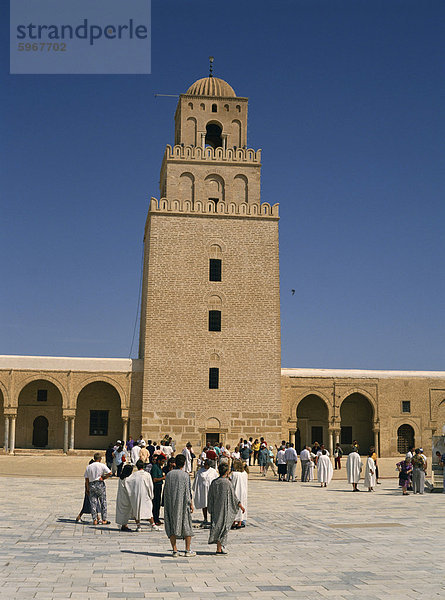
x,y
158,479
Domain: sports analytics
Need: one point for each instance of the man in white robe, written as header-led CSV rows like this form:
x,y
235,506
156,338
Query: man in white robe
x,y
140,491
239,479
353,469
324,469
187,452
203,478
135,452
370,477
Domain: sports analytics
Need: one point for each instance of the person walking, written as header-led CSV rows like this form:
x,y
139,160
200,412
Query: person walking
x,y
95,475
158,480
281,464
263,457
353,469
338,453
324,469
291,461
405,469
201,484
223,506
370,472
239,478
178,507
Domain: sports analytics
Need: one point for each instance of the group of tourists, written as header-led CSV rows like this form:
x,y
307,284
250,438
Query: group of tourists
x,y
151,476
412,471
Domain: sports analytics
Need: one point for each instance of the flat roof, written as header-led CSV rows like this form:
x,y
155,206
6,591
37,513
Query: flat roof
x,y
361,373
69,363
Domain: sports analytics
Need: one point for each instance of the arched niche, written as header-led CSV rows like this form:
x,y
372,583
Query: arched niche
x,y
236,133
191,131
240,189
215,188
98,416
312,421
39,398
357,416
187,188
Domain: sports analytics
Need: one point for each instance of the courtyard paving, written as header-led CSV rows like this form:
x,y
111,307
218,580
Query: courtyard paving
x,y
301,542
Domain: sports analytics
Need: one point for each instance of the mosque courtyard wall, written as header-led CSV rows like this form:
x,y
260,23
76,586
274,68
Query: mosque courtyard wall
x,y
381,408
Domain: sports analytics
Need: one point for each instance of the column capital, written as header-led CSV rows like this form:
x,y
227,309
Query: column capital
x,y
10,412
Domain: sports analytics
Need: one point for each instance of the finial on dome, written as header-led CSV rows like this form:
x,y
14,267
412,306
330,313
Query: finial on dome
x,y
211,59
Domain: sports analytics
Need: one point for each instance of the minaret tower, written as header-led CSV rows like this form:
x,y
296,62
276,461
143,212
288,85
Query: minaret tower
x,y
210,316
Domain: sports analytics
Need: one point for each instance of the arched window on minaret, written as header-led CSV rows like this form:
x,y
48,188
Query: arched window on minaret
x,y
213,135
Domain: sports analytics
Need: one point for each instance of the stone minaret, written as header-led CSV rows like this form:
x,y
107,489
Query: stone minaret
x,y
210,317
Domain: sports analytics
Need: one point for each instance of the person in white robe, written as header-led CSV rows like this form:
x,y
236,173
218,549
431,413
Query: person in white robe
x,y
188,457
239,477
353,469
135,452
312,466
140,491
123,504
203,478
324,469
370,477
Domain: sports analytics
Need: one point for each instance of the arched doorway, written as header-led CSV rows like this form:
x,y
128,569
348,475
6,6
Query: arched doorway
x,y
98,416
39,399
356,414
40,432
405,438
312,421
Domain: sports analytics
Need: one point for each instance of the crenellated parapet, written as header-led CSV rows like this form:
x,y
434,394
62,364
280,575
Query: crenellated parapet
x,y
226,155
260,210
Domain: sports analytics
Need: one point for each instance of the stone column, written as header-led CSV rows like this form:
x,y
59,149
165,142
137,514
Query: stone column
x,y
12,435
331,442
337,437
65,434
6,442
376,440
292,437
124,429
203,140
71,443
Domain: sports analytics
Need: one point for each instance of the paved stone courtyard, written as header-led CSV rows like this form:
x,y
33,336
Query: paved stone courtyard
x,y
301,542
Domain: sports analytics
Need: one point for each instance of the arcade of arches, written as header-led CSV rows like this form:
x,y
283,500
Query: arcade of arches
x,y
76,404
356,423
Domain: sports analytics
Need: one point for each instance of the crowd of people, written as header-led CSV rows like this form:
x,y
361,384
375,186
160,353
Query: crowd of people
x,y
154,475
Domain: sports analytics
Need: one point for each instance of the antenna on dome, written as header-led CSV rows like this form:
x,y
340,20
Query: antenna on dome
x,y
211,59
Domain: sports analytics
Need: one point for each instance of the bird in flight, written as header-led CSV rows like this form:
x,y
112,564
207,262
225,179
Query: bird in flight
x,y
293,292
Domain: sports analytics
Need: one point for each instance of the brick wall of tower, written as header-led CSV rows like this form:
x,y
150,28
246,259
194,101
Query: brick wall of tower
x,y
179,349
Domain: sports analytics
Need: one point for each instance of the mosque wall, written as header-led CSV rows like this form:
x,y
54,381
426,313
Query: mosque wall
x,y
374,408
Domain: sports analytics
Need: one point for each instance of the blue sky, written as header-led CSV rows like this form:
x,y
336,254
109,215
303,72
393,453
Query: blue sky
x,y
346,101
